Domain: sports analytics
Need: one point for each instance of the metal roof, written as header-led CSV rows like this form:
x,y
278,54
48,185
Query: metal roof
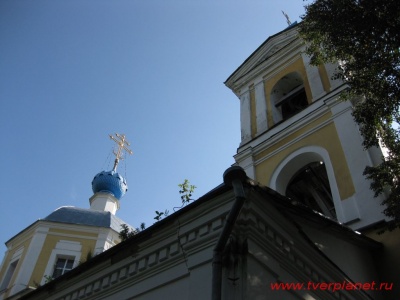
x,y
82,216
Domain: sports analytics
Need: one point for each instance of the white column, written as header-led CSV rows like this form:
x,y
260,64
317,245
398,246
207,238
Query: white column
x,y
30,260
261,108
362,203
245,117
314,78
245,160
331,70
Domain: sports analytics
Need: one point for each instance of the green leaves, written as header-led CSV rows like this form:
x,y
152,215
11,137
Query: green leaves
x,y
364,36
127,232
48,278
186,191
159,215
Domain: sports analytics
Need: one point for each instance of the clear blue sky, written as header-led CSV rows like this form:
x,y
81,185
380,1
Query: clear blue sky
x,y
72,72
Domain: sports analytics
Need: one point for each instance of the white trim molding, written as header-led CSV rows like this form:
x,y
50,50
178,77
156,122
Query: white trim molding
x,y
63,249
296,160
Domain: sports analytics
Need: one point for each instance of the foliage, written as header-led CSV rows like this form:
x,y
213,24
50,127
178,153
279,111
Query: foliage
x,y
159,215
386,176
127,232
48,278
364,36
186,191
142,226
89,255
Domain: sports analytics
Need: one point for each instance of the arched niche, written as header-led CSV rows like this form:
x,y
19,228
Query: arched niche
x,y
288,97
292,168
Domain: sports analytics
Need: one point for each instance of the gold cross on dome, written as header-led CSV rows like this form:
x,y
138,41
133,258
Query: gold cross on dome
x,y
122,144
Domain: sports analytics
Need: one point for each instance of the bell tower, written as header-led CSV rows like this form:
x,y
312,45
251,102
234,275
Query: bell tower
x,y
298,137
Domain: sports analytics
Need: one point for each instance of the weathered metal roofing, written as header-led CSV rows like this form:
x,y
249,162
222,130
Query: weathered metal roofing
x,y
82,216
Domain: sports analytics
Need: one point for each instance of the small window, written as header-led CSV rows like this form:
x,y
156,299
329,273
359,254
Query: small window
x,y
9,274
62,266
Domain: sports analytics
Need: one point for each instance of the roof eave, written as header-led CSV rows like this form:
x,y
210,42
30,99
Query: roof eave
x,y
229,82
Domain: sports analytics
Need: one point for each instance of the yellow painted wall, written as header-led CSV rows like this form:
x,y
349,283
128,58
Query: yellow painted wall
x,y
326,137
86,239
324,78
16,246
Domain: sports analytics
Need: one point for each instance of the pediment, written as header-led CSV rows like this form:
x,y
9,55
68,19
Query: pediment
x,y
266,52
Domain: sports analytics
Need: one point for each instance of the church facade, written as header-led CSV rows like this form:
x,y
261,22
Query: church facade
x,y
298,137
54,245
239,241
293,219
66,238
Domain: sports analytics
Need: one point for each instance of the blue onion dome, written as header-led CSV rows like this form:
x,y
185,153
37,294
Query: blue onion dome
x,y
110,182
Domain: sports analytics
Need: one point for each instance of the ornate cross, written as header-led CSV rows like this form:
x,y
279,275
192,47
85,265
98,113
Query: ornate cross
x,y
122,145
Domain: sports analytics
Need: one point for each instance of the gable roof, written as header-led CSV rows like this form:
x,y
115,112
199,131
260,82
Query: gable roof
x,y
270,47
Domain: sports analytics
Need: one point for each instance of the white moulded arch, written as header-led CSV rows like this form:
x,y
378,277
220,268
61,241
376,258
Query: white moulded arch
x,y
297,160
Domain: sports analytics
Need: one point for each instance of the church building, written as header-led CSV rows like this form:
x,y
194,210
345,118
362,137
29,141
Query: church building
x,y
67,237
294,218
298,137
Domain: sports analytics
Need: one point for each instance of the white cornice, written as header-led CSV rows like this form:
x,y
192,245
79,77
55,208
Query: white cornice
x,y
24,235
42,226
302,119
279,47
276,134
75,236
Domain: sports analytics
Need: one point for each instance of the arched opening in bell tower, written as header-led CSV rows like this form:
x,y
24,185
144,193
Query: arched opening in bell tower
x,y
288,97
306,176
310,186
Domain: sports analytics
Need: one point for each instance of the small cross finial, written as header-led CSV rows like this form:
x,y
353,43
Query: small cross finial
x,y
122,145
287,18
